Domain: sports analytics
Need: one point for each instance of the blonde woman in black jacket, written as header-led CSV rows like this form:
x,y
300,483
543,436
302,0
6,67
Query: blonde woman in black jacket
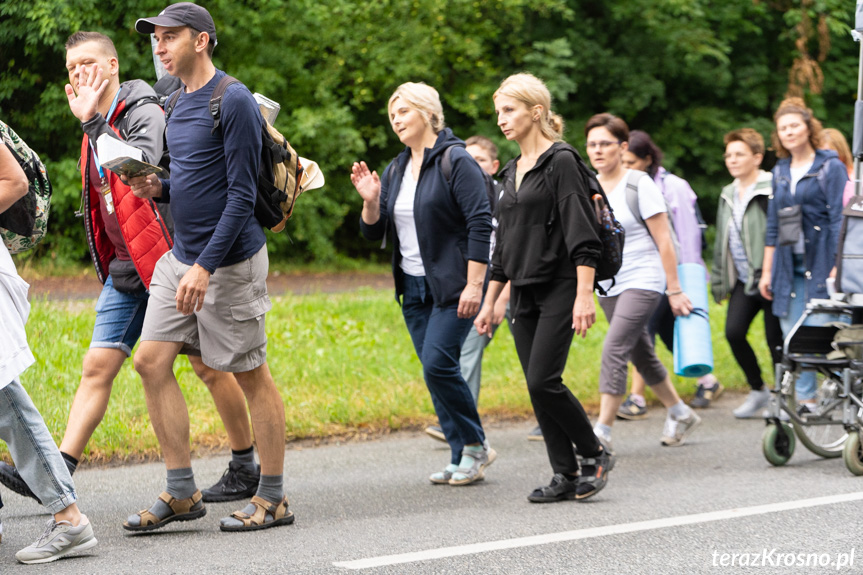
x,y
547,246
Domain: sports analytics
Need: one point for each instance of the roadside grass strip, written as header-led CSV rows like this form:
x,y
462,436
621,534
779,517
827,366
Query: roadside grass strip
x,y
343,362
594,532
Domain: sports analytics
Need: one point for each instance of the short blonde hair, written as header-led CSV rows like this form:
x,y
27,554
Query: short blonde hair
x,y
425,100
532,91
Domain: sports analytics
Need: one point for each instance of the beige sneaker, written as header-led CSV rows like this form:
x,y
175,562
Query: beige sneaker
x,y
675,431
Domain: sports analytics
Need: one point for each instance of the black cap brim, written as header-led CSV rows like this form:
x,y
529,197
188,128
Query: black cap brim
x,y
148,25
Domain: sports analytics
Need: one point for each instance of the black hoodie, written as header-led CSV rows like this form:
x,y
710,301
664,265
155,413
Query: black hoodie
x,y
547,228
453,220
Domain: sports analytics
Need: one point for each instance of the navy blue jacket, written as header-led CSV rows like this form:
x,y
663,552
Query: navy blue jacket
x,y
820,197
453,220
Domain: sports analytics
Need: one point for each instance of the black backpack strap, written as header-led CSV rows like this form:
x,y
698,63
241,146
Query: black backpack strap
x,y
171,102
165,87
216,100
446,164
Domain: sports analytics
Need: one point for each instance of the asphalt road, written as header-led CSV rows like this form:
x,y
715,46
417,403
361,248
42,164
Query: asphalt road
x,y
683,510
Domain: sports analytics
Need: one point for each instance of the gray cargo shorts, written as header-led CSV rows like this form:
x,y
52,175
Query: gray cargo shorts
x,y
229,331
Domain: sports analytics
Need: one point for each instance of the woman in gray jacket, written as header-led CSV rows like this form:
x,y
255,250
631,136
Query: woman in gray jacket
x,y
741,223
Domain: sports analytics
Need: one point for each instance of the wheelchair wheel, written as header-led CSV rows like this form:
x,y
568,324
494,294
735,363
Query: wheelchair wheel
x,y
777,447
853,453
824,433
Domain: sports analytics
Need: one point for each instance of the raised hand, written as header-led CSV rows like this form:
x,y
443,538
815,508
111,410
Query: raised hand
x,y
91,86
367,183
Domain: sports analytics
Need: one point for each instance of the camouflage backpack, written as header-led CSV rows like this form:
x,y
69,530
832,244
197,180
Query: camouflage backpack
x,y
24,224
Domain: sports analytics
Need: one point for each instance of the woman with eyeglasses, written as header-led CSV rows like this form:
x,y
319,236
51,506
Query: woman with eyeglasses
x,y
644,155
547,247
803,221
741,224
649,269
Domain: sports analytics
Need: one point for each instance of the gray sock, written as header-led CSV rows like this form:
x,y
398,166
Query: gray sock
x,y
271,488
181,483
245,458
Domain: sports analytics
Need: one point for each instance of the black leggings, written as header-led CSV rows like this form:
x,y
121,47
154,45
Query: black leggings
x,y
742,310
542,329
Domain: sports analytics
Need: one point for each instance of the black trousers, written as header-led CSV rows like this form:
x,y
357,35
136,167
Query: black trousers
x,y
542,329
742,310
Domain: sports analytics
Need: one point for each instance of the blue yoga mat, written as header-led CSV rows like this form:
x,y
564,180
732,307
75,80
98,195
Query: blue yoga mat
x,y
693,347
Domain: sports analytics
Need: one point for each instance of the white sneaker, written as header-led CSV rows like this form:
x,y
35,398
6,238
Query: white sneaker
x,y
675,431
59,539
604,439
753,404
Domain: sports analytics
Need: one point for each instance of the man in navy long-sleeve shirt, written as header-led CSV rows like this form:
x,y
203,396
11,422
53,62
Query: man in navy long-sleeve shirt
x,y
209,294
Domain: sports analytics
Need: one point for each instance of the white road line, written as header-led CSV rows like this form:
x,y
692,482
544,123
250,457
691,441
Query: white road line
x,y
592,532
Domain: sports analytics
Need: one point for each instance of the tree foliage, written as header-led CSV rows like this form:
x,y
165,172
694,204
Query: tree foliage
x,y
687,71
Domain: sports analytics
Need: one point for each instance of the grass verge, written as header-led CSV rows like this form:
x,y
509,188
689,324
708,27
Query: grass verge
x,y
344,364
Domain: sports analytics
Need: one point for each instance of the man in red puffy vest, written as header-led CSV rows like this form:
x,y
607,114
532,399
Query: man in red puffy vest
x,y
126,236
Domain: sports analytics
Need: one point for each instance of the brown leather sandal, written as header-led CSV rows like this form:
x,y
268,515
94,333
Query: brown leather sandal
x,y
184,510
278,514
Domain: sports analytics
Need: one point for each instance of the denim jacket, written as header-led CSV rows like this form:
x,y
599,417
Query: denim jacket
x,y
820,197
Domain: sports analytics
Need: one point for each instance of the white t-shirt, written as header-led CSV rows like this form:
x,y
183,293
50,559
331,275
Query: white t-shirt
x,y
15,354
406,226
642,266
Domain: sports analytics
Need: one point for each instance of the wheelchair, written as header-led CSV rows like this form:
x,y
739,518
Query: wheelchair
x,y
826,428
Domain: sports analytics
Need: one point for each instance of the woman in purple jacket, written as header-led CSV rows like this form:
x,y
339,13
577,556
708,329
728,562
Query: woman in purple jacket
x,y
643,154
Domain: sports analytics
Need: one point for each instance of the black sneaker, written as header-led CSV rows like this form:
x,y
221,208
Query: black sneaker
x,y
236,483
704,395
435,432
559,489
535,434
10,477
599,466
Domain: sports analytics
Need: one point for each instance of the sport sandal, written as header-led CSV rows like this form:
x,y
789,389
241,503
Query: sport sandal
x,y
472,466
183,510
590,485
559,489
266,515
443,477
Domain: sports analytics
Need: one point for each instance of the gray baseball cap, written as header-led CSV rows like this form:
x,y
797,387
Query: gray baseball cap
x,y
180,14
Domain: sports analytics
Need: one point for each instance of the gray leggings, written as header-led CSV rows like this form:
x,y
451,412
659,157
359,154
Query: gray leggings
x,y
628,340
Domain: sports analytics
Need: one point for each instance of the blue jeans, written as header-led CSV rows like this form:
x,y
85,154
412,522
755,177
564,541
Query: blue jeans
x,y
119,318
438,335
33,449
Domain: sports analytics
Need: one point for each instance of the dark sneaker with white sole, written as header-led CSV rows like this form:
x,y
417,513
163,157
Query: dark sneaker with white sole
x,y
236,483
435,432
704,395
535,434
13,481
631,410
